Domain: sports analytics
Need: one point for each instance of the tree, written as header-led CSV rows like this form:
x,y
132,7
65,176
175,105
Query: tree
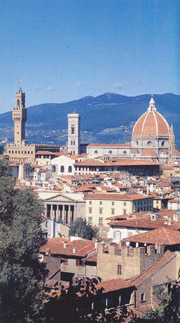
x,y
168,305
83,230
21,274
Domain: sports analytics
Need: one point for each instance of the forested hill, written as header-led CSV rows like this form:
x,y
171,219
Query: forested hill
x,y
106,118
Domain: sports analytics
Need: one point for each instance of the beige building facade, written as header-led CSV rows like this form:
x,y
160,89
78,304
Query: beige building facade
x,y
101,206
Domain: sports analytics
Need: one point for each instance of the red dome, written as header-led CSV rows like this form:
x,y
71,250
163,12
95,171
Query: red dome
x,y
151,123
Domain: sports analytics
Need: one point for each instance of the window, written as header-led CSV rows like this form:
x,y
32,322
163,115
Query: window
x,y
62,169
54,168
112,211
119,269
130,252
110,151
142,297
100,221
96,152
124,203
117,235
100,210
72,130
79,262
100,202
112,203
149,143
124,211
70,169
90,210
90,220
90,202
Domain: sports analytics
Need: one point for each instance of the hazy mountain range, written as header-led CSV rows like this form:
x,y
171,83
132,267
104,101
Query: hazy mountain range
x,y
106,118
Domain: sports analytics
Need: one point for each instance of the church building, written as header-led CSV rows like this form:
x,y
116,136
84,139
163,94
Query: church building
x,y
152,140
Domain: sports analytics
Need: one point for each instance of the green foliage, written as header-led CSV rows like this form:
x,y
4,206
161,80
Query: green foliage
x,y
167,309
83,230
21,274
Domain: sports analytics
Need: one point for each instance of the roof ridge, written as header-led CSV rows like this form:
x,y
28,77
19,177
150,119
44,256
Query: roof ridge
x,y
169,255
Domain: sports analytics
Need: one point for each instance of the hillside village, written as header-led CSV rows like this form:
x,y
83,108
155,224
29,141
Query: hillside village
x,y
129,192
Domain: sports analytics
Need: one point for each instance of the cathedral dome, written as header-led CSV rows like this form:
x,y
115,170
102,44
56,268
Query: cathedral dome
x,y
151,123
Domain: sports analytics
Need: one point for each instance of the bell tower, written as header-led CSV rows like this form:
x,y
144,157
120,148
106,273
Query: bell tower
x,y
74,133
19,116
171,146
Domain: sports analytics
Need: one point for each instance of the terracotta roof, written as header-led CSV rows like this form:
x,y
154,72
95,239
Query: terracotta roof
x,y
177,153
74,248
43,170
135,150
162,236
113,284
115,196
151,123
149,152
113,162
92,257
167,257
128,144
145,222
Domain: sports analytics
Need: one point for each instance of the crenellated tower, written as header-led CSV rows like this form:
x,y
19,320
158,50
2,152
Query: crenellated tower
x,y
19,116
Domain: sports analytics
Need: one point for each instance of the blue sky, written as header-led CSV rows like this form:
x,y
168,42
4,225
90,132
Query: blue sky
x,y
62,50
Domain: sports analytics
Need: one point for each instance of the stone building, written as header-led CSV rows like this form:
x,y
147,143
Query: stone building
x,y
20,150
152,140
100,206
136,254
74,133
66,207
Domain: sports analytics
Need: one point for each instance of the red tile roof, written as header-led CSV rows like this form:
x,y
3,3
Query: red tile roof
x,y
162,236
128,144
115,162
113,284
115,196
145,222
149,153
151,123
73,248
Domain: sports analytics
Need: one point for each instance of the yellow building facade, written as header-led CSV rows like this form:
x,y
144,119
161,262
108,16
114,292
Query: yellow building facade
x,y
101,206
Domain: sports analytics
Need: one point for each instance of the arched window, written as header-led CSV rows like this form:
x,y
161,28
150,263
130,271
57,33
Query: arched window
x,y
162,143
149,143
110,151
18,103
54,168
72,129
70,169
62,169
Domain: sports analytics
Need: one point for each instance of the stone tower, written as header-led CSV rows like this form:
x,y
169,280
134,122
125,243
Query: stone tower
x,y
171,146
74,133
19,116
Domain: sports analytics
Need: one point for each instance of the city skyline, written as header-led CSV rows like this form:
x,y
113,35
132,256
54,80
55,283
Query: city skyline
x,y
66,50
